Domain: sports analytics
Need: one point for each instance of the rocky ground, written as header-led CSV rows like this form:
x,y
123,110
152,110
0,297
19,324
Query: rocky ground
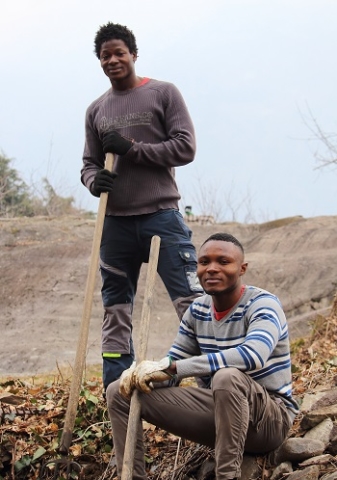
x,y
32,417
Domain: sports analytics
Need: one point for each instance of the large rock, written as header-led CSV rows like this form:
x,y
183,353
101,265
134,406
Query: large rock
x,y
298,450
322,431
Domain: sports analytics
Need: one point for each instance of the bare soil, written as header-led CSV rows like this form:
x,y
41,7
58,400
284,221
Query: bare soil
x,y
44,265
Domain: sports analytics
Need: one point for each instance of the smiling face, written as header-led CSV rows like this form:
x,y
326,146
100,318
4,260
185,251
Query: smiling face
x,y
220,268
118,63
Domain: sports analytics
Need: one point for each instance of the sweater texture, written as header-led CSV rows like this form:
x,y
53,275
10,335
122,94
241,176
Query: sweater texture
x,y
155,116
252,337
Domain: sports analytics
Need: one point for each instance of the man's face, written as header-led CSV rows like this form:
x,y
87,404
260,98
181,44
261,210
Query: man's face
x,y
220,266
116,60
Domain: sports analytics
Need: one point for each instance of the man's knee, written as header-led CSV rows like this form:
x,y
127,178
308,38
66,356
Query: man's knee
x,y
116,286
181,304
230,379
112,392
113,367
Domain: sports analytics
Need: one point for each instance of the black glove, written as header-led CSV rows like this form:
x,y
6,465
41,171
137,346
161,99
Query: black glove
x,y
114,142
103,182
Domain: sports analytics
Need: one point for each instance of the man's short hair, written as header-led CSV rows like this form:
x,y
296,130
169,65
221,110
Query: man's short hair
x,y
224,237
112,31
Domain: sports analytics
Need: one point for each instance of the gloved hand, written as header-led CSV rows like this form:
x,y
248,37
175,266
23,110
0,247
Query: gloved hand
x,y
114,142
103,182
147,372
126,384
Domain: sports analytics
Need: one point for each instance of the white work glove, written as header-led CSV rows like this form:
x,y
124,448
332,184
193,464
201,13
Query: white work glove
x,y
126,385
147,372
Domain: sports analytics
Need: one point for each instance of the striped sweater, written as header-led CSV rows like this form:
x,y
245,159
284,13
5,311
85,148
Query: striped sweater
x,y
156,117
252,337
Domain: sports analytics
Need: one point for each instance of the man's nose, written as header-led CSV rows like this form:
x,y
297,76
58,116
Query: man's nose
x,y
113,59
212,266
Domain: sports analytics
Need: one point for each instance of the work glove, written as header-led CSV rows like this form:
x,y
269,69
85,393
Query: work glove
x,y
114,142
126,384
147,372
103,182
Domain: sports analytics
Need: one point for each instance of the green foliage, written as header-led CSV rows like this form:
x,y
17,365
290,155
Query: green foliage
x,y
41,418
14,193
18,200
296,345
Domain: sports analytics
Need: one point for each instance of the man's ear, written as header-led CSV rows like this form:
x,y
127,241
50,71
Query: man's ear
x,y
134,55
244,267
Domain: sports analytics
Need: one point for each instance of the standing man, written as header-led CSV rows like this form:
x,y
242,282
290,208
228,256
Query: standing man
x,y
146,124
235,337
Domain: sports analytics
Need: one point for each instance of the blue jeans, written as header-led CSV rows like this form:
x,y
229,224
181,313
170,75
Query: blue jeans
x,y
125,247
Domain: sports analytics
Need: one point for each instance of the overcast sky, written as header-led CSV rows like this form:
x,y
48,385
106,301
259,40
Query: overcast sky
x,y
250,72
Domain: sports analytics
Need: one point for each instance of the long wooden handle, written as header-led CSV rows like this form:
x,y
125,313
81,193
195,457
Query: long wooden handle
x,y
76,381
134,415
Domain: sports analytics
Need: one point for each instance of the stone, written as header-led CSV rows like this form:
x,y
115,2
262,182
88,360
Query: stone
x,y
309,473
329,476
249,467
281,471
314,417
206,469
298,450
326,463
311,399
322,431
332,448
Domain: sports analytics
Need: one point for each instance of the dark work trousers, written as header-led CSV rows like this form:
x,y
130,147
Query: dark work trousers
x,y
125,246
235,415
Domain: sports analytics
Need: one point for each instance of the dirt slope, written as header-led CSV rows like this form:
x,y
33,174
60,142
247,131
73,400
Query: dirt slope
x,y
44,265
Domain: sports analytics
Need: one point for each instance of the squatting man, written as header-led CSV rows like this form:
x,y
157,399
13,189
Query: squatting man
x,y
234,338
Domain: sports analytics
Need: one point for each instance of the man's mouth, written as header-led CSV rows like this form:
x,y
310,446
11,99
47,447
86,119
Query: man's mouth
x,y
113,71
212,281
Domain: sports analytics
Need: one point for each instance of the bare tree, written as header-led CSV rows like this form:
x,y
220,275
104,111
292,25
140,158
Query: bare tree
x,y
327,140
239,204
212,198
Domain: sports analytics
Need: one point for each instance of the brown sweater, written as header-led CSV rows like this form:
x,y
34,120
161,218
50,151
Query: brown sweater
x,y
156,117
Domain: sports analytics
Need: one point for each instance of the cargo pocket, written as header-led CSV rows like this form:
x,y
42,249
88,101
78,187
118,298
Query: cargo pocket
x,y
190,267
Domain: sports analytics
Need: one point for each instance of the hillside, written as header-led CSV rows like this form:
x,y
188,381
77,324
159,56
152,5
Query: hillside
x,y
44,264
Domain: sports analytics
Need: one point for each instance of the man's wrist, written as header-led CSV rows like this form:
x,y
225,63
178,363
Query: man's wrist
x,y
172,369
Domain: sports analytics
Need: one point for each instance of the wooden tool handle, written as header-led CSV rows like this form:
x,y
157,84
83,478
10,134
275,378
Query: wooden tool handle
x,y
134,415
76,381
